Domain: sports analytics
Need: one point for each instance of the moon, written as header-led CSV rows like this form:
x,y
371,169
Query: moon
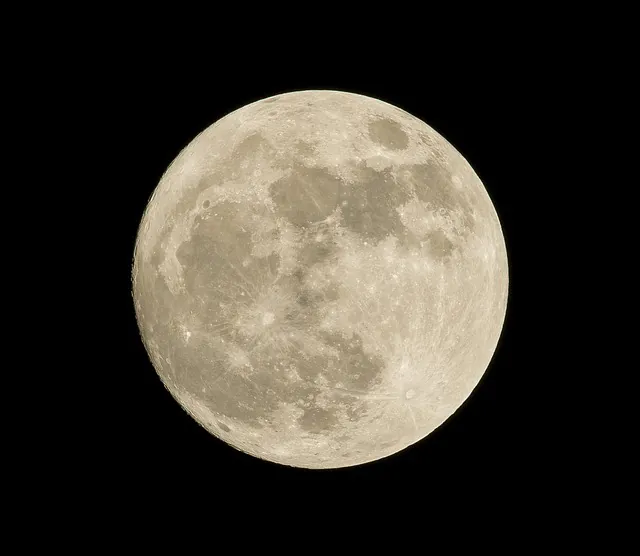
x,y
320,279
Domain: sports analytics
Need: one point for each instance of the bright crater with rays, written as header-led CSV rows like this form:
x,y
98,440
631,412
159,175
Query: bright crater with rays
x,y
320,279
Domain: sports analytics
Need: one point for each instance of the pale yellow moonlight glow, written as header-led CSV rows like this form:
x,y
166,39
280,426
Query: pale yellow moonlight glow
x,y
320,279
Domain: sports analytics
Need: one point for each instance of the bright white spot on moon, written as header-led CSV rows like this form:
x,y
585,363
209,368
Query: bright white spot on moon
x,y
320,279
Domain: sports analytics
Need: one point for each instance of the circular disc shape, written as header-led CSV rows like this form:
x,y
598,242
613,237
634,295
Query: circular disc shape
x,y
320,279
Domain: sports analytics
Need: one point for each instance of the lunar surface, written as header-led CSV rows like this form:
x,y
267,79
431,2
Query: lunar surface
x,y
320,279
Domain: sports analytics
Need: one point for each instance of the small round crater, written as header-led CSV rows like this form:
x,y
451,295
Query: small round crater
x,y
409,394
268,318
206,204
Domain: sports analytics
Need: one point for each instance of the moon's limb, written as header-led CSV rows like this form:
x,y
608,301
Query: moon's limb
x,y
320,279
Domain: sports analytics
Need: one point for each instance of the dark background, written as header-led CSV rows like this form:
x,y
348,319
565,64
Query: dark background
x,y
149,112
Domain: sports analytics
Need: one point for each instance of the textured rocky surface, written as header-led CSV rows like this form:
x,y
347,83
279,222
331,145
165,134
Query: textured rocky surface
x,y
320,279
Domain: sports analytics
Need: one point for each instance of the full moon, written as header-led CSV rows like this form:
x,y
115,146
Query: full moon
x,y
320,279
